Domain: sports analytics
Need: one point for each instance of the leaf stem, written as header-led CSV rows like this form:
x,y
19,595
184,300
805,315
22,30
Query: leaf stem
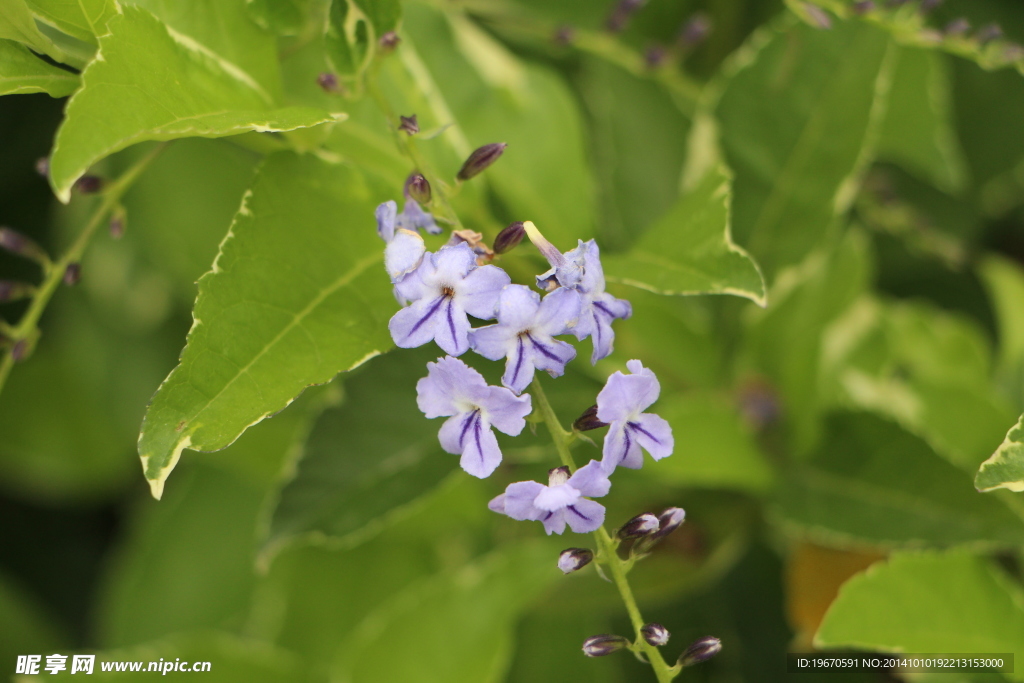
x,y
27,331
607,546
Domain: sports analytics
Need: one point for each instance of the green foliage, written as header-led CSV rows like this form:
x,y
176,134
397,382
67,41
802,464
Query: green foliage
x,y
856,190
266,319
927,602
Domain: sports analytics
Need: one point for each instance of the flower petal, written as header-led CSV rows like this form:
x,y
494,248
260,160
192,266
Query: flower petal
x,y
584,516
452,434
506,411
452,264
626,396
403,254
519,499
554,522
591,480
556,497
452,329
497,504
654,434
415,325
385,214
413,217
620,448
480,290
550,354
480,452
519,367
448,382
492,341
559,312
517,307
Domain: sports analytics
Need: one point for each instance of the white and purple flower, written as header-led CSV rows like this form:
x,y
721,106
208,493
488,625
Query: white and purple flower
x,y
454,390
559,503
446,287
621,404
580,269
405,248
525,333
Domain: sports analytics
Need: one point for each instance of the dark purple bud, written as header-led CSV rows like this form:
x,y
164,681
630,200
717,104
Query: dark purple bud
x,y
654,56
638,527
43,166
622,13
328,82
574,559
509,238
16,243
604,644
986,34
417,187
957,27
695,31
564,35
480,159
759,404
655,634
72,274
409,124
818,16
389,41
700,651
668,521
11,290
117,222
20,350
929,6
863,6
588,420
89,184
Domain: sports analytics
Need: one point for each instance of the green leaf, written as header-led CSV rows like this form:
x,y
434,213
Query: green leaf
x,y
784,342
23,72
1004,280
353,29
284,17
83,19
927,602
478,605
872,484
795,120
1005,469
225,28
357,471
155,85
918,130
295,296
690,250
714,448
17,23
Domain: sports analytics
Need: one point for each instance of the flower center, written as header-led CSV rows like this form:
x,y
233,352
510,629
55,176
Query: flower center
x,y
447,290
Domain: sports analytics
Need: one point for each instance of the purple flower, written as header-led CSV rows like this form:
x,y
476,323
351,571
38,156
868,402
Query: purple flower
x,y
525,334
413,217
621,404
580,269
454,390
446,287
405,249
559,503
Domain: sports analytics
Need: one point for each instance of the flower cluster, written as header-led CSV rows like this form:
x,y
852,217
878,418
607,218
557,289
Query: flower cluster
x,y
440,291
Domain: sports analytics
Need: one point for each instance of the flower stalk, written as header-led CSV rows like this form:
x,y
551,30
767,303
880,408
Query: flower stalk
x,y
607,546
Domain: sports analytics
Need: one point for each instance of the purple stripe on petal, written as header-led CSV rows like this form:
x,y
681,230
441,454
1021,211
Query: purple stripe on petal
x,y
451,318
430,313
577,512
643,431
520,356
465,427
476,436
543,349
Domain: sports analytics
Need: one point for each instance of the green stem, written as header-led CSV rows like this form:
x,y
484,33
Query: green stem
x,y
607,546
26,331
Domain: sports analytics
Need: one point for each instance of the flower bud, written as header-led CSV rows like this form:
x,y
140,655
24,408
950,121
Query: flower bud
x,y
604,644
409,124
16,243
509,238
417,187
668,521
700,651
564,35
328,82
43,166
654,56
11,290
988,33
957,27
388,41
638,527
117,223
72,274
655,634
622,13
480,159
694,31
89,184
588,420
558,476
863,6
574,559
